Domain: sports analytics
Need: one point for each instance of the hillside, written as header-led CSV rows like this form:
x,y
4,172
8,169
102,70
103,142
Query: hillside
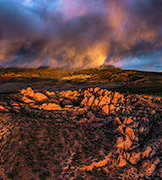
x,y
149,83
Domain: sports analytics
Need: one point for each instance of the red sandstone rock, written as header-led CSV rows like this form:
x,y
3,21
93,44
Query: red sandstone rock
x,y
128,120
115,97
96,89
122,161
125,144
23,91
146,152
105,110
95,102
50,93
126,155
39,97
67,102
27,100
50,106
84,102
68,93
130,133
104,100
135,157
116,122
90,101
112,107
121,128
3,108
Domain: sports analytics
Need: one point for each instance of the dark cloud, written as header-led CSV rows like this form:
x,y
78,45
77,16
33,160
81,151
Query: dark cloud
x,y
80,33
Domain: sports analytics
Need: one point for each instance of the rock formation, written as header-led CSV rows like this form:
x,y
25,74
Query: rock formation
x,y
86,133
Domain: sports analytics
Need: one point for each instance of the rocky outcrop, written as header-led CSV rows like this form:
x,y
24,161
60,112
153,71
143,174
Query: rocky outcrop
x,y
126,126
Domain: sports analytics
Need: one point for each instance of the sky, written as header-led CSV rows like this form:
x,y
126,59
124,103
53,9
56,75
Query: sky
x,y
81,33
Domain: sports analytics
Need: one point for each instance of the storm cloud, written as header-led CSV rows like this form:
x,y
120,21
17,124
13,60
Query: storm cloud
x,y
81,33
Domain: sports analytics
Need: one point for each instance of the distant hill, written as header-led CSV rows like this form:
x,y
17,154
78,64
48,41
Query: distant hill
x,y
108,67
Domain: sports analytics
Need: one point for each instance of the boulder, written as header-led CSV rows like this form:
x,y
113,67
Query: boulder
x,y
121,161
128,120
112,107
61,99
129,132
54,101
84,102
116,122
68,106
104,100
50,106
79,111
90,101
150,169
121,128
126,155
142,130
96,89
50,93
3,103
23,91
135,157
82,121
117,109
100,93
67,102
139,103
90,89
121,99
105,110
94,108
153,112
39,97
124,145
3,108
27,100
115,97
146,152
68,93
28,92
152,166
106,92
95,102
146,164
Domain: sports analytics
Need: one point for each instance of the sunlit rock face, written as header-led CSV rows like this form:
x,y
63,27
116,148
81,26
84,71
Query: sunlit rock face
x,y
81,34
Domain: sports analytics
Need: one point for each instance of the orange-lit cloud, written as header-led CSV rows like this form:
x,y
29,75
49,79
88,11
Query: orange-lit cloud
x,y
78,34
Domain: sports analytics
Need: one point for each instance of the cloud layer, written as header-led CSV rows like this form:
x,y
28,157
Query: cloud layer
x,y
80,33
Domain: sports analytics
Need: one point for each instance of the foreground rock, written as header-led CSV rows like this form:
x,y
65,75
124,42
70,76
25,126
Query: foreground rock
x,y
84,134
50,106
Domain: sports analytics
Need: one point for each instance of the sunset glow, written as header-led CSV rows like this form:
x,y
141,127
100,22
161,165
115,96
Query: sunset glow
x,y
67,33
